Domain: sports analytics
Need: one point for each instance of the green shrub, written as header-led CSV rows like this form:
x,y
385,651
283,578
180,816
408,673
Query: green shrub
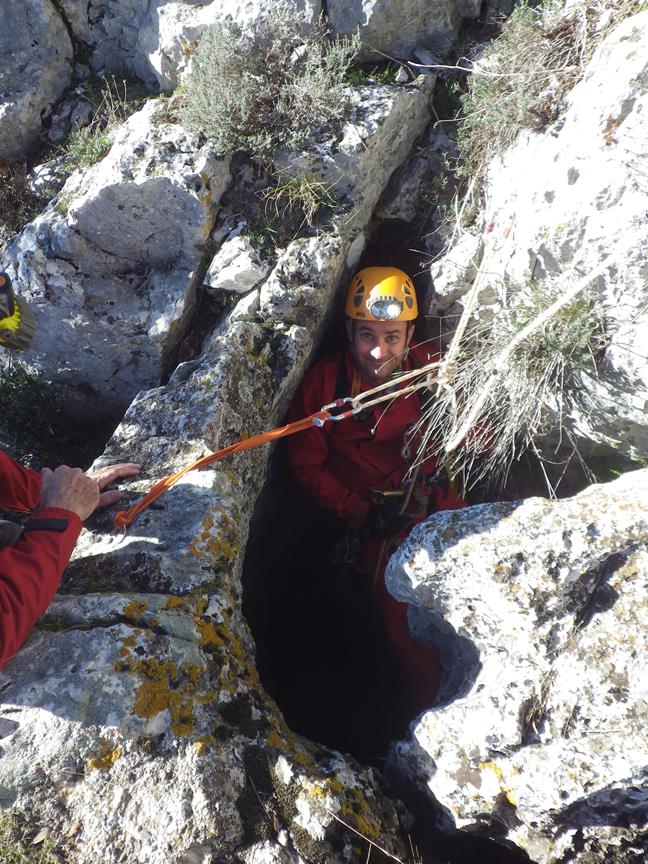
x,y
266,88
87,145
361,75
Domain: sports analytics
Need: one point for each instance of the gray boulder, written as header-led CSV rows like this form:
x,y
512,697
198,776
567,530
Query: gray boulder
x,y
136,728
236,266
136,725
154,40
396,29
110,267
35,69
539,607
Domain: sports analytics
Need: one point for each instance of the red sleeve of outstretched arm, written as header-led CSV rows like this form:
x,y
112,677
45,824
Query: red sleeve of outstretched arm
x,y
308,451
19,487
31,569
30,573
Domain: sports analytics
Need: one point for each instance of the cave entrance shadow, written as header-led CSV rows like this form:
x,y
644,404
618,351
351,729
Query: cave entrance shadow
x,y
318,651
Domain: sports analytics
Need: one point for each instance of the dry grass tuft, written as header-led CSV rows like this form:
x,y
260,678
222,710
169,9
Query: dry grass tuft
x,y
298,194
522,78
513,380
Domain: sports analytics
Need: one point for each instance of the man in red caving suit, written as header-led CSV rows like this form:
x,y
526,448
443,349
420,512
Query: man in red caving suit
x,y
34,554
357,468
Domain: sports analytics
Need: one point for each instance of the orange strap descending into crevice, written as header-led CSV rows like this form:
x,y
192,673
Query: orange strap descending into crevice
x,y
384,392
125,517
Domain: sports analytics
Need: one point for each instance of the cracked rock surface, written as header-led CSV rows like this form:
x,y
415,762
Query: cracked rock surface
x,y
109,267
540,734
139,729
583,205
35,69
134,725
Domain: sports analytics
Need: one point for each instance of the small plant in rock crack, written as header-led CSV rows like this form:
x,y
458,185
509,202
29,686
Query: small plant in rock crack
x,y
17,846
298,194
114,103
361,75
267,87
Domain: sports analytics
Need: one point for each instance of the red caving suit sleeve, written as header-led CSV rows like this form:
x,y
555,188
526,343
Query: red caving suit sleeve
x,y
30,570
308,451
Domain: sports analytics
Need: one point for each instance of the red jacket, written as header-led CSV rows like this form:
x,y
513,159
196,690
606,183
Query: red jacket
x,y
341,463
30,570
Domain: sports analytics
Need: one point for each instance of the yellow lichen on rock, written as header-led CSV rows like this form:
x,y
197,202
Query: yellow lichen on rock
x,y
505,789
217,540
154,694
285,740
172,603
208,634
135,610
202,744
166,687
106,757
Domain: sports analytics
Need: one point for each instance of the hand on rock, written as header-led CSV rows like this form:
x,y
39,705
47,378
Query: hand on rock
x,y
71,489
105,476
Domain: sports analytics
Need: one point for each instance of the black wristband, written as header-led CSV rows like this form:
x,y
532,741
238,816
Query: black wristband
x,y
57,525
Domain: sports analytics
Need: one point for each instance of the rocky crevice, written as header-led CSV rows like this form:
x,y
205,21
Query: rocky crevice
x,y
145,669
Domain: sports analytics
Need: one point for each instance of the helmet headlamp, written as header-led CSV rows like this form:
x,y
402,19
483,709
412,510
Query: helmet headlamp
x,y
385,308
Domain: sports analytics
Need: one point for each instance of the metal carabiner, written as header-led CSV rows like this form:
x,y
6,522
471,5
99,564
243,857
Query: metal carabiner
x,y
338,403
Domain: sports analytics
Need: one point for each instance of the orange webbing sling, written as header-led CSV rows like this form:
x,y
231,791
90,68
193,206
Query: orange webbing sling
x,y
124,517
386,392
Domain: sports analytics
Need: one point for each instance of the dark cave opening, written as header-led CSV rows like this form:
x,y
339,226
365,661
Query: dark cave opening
x,y
317,650
317,657
320,653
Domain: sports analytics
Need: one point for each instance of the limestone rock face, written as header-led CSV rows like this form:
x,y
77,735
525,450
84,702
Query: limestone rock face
x,y
383,123
109,267
540,609
35,69
396,29
138,726
584,203
154,40
135,725
236,267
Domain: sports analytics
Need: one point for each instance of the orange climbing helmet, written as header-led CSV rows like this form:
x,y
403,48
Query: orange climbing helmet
x,y
381,294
